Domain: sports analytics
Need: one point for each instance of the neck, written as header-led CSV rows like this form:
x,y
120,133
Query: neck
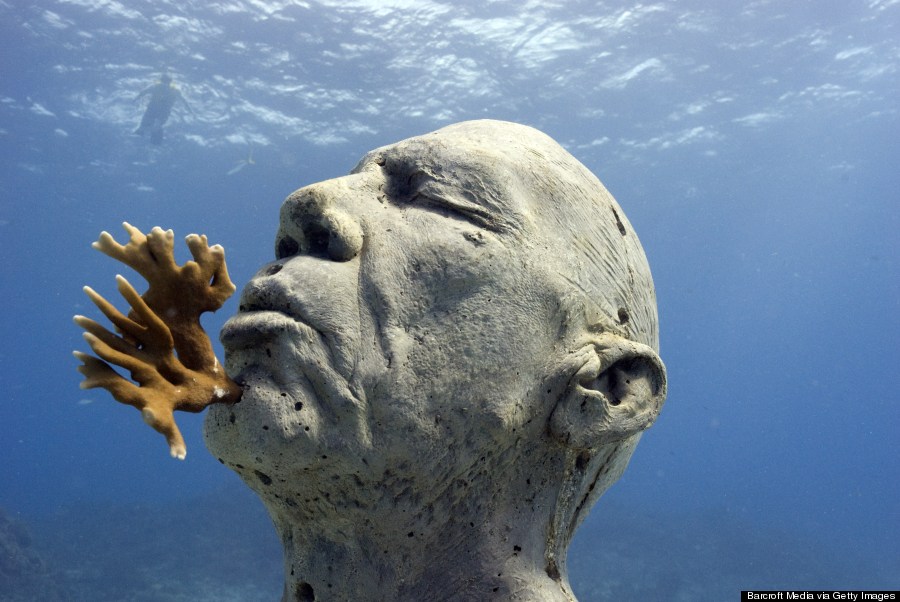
x,y
455,544
394,559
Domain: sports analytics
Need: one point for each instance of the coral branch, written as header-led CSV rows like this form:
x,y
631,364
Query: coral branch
x,y
162,322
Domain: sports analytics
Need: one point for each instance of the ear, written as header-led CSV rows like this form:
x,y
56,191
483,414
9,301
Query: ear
x,y
616,390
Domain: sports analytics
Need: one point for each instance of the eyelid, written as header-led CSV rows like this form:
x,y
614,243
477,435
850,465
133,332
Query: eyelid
x,y
420,187
468,210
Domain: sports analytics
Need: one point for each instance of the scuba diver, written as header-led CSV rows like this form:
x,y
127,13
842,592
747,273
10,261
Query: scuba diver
x,y
163,96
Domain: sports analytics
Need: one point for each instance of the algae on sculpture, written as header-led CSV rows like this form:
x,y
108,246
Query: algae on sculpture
x,y
452,357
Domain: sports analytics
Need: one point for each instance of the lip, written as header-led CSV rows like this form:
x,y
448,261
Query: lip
x,y
249,329
303,307
253,338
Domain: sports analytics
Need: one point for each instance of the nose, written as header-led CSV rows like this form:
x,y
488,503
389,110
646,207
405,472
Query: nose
x,y
312,224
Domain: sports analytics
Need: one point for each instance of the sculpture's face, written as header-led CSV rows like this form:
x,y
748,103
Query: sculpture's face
x,y
409,321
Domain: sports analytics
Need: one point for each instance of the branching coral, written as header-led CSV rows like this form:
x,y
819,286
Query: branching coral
x,y
162,321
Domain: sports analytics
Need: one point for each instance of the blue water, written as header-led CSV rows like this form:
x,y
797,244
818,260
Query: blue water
x,y
754,146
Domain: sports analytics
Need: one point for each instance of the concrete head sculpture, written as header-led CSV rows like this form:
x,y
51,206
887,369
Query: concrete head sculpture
x,y
452,357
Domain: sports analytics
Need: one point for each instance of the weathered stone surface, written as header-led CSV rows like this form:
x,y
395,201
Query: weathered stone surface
x,y
452,357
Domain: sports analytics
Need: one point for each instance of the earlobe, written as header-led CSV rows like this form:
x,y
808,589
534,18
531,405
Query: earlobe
x,y
617,391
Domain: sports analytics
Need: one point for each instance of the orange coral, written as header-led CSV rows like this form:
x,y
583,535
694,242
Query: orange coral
x,y
165,320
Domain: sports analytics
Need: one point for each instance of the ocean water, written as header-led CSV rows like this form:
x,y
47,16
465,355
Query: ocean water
x,y
754,145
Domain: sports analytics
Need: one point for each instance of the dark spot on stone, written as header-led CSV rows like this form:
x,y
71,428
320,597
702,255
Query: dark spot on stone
x,y
410,534
265,427
552,570
268,352
263,477
303,592
619,223
582,460
298,406
232,418
623,316
517,549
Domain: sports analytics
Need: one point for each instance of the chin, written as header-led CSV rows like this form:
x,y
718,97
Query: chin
x,y
267,423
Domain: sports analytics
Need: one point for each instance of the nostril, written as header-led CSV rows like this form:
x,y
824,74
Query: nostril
x,y
286,247
317,239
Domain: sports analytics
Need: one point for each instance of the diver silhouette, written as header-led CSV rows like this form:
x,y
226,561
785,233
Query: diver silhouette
x,y
163,96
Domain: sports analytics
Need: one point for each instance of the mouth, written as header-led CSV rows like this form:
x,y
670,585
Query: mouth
x,y
290,325
273,347
254,327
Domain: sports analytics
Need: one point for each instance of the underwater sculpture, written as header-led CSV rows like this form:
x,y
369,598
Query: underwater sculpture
x,y
452,357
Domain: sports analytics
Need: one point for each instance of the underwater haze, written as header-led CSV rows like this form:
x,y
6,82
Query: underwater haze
x,y
754,145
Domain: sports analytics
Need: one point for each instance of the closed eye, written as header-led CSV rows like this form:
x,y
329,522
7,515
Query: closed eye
x,y
418,188
454,208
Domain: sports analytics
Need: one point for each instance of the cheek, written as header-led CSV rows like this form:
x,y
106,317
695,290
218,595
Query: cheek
x,y
479,295
463,323
418,270
468,385
485,340
477,323
441,264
